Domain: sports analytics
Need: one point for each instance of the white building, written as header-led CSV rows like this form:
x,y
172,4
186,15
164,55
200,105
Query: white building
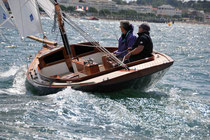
x,y
103,4
168,10
137,8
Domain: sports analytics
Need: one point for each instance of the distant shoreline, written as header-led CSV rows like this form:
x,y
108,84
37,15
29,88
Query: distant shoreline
x,y
111,19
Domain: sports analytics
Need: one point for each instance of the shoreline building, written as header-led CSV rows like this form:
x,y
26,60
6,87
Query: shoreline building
x,y
168,10
147,9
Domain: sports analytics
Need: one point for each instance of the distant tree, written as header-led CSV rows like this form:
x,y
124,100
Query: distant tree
x,y
104,12
198,5
70,8
92,10
154,3
83,1
127,12
63,8
122,12
120,2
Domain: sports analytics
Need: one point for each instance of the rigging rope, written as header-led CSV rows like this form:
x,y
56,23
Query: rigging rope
x,y
91,40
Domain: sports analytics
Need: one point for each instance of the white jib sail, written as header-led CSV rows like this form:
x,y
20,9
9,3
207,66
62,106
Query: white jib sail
x,y
26,16
48,7
5,18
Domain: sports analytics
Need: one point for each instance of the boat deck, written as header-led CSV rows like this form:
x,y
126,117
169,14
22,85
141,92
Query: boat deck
x,y
159,60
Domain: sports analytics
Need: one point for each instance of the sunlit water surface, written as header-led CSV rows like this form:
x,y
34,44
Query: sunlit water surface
x,y
177,107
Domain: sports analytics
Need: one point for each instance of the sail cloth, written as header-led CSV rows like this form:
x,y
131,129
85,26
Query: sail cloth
x,y
5,18
48,7
26,16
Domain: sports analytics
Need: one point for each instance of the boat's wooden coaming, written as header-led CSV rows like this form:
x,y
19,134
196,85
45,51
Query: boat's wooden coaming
x,y
112,78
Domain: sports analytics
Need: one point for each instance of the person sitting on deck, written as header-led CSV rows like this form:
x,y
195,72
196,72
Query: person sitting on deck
x,y
143,47
126,40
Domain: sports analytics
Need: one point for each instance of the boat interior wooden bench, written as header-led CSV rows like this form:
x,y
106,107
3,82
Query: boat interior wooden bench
x,y
80,65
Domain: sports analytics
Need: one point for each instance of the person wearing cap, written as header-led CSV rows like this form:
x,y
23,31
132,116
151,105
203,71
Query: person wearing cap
x,y
143,47
126,40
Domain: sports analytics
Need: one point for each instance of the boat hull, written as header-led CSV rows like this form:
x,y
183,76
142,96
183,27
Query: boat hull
x,y
141,75
39,89
141,83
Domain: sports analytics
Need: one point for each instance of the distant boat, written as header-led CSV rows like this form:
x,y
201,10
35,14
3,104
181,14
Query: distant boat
x,y
80,10
86,66
92,18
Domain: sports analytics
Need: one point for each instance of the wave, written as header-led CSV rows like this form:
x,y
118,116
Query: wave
x,y
11,72
18,75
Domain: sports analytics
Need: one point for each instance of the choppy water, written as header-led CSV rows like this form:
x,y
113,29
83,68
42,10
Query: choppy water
x,y
177,107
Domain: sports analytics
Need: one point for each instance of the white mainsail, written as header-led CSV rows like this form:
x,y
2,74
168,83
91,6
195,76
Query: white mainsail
x,y
48,7
5,18
26,16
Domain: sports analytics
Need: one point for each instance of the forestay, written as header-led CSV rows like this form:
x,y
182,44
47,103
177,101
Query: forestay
x,y
26,16
5,18
48,7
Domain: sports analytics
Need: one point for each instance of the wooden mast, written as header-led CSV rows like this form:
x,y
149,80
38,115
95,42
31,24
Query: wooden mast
x,y
62,29
64,36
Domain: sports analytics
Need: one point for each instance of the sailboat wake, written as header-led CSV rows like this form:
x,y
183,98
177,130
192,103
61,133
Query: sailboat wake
x,y
15,78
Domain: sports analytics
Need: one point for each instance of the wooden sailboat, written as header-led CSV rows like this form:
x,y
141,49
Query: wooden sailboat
x,y
84,66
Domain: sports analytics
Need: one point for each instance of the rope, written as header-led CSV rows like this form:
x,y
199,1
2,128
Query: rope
x,y
91,40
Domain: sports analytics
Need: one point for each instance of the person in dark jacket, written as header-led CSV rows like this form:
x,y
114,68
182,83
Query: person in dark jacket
x,y
126,40
143,47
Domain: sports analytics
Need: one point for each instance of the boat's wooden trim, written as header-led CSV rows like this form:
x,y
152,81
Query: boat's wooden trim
x,y
167,57
42,40
138,73
54,63
66,59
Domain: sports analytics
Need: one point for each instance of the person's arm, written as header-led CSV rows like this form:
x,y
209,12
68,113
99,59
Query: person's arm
x,y
135,51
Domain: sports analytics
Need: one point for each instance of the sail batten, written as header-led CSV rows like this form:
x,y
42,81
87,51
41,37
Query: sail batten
x,y
26,17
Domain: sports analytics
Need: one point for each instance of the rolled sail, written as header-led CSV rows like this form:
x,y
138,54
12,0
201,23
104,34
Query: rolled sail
x,y
26,16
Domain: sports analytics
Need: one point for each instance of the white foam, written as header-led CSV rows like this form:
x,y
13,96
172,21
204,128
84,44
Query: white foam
x,y
11,72
19,74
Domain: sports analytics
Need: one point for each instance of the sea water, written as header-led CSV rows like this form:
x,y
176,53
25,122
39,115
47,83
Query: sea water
x,y
177,107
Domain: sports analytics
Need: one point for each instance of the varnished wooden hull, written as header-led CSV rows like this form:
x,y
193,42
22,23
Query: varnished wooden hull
x,y
136,81
141,75
140,83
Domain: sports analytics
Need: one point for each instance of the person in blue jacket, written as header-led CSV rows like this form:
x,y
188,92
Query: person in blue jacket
x,y
126,40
